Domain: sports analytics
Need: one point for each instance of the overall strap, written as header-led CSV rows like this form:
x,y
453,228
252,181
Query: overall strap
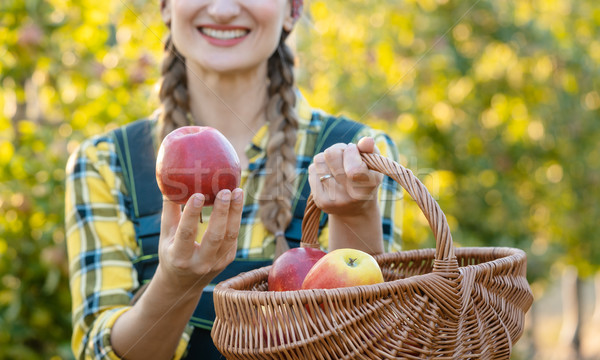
x,y
333,130
134,145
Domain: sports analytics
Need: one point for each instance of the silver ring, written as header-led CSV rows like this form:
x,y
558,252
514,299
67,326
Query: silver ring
x,y
325,177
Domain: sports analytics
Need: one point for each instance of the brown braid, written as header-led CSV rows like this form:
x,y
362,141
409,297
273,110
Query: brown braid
x,y
276,198
173,93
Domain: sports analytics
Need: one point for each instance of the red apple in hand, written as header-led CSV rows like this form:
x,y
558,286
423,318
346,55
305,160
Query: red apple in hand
x,y
343,268
289,269
196,159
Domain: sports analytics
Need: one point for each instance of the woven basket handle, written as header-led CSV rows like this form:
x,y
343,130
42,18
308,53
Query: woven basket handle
x,y
445,260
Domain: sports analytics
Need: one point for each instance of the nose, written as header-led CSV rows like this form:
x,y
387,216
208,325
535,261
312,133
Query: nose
x,y
224,10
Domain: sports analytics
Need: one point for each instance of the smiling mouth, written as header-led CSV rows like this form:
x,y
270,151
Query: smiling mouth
x,y
224,34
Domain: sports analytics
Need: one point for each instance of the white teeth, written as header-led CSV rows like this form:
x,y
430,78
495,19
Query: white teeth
x,y
223,34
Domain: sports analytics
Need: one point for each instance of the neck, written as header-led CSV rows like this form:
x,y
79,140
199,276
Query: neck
x,y
234,104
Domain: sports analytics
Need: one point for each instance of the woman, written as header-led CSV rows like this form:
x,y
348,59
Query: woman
x,y
226,66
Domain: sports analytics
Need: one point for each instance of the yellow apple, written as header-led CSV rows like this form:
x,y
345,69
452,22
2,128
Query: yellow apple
x,y
343,268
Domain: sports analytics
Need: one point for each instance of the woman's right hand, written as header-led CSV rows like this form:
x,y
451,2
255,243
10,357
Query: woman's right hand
x,y
152,328
186,263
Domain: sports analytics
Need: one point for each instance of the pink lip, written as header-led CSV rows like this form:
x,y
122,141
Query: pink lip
x,y
223,42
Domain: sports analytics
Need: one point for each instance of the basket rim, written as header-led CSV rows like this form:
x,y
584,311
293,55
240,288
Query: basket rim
x,y
502,257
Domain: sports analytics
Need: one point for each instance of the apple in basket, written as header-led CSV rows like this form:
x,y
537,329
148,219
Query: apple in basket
x,y
343,268
196,159
290,268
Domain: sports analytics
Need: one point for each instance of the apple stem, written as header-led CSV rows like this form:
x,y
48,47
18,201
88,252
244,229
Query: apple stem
x,y
351,261
201,218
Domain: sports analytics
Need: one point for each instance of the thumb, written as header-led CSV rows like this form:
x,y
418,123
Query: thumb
x,y
367,145
171,213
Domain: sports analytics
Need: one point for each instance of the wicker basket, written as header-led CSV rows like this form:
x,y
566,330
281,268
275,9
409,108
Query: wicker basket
x,y
443,303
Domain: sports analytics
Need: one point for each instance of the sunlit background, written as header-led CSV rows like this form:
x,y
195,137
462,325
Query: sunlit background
x,y
494,104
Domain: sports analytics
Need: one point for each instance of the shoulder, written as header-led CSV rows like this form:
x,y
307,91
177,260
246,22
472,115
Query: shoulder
x,y
91,153
92,168
318,123
314,120
100,151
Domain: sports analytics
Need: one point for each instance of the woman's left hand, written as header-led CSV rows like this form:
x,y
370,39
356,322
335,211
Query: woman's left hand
x,y
352,187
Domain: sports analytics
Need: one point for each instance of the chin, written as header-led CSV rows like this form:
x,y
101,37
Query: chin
x,y
227,61
227,66
232,68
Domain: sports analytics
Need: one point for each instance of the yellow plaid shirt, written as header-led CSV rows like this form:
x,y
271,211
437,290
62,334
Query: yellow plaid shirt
x,y
101,239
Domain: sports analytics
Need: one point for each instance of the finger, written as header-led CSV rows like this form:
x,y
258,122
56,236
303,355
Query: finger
x,y
217,224
361,180
367,145
316,186
334,159
353,164
320,165
187,230
171,213
313,174
321,172
235,217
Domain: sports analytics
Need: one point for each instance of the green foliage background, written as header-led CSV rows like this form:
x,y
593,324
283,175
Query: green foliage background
x,y
495,105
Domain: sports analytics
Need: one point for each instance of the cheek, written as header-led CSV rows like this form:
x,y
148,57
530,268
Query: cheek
x,y
177,35
181,17
185,6
182,11
269,13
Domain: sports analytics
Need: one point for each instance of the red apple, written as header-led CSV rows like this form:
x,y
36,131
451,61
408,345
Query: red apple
x,y
196,159
289,269
343,268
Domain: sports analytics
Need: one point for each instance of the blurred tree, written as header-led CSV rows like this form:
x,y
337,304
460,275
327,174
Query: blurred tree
x,y
68,70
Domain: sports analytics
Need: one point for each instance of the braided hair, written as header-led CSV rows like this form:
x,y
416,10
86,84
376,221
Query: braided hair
x,y
276,199
173,94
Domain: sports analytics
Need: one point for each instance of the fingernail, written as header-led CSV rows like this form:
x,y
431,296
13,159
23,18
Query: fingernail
x,y
237,194
225,195
198,200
